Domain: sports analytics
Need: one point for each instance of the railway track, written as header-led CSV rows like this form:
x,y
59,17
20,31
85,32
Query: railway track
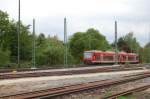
x,y
63,72
55,92
130,91
25,69
51,68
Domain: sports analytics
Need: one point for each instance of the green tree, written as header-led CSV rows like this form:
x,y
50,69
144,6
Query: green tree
x,y
4,30
145,54
41,40
128,43
4,41
50,51
4,57
25,43
142,55
132,42
40,47
9,40
122,45
90,40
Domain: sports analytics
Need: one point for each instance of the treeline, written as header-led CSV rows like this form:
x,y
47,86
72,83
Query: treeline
x,y
50,50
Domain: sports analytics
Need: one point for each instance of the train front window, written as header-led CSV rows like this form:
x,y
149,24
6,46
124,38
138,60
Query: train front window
x,y
87,55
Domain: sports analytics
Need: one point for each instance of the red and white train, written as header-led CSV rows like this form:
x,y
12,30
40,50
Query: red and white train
x,y
95,57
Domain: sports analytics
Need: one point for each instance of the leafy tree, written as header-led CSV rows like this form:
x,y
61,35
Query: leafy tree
x,y
4,41
128,43
4,30
142,55
9,39
41,40
40,47
122,45
51,52
132,42
89,40
145,53
25,42
4,57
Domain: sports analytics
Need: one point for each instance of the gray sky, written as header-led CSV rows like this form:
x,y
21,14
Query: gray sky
x,y
132,15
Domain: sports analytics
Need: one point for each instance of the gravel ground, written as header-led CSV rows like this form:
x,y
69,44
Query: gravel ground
x,y
144,94
8,87
140,95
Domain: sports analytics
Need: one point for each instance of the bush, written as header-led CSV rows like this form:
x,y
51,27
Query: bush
x,y
4,57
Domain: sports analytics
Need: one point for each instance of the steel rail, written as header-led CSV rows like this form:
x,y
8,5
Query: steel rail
x,y
59,67
59,73
53,92
123,93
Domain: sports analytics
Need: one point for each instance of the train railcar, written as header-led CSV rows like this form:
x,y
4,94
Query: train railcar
x,y
109,57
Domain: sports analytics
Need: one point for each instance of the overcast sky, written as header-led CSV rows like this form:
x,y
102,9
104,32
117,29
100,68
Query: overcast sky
x,y
131,15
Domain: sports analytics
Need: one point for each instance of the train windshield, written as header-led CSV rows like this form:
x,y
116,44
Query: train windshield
x,y
87,55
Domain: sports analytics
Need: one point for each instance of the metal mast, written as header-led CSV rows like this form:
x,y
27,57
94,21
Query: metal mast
x,y
149,46
65,43
19,35
33,53
116,53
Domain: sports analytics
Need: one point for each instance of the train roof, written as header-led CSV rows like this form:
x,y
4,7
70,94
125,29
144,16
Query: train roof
x,y
98,51
132,54
93,51
122,53
110,52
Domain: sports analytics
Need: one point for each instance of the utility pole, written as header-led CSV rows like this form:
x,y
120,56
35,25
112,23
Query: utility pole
x,y
33,53
149,46
65,43
18,35
116,53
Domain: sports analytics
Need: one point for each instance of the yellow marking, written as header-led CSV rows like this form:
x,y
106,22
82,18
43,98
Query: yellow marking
x,y
14,71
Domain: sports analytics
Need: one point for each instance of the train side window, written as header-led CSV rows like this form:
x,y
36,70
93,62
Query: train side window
x,y
98,57
131,58
108,57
